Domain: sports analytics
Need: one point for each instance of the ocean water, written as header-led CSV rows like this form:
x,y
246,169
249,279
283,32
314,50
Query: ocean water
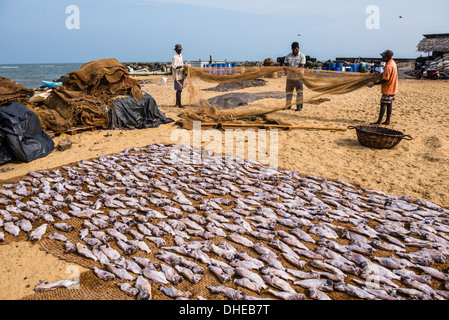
x,y
32,75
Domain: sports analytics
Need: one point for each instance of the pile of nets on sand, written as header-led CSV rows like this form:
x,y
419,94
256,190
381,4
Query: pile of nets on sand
x,y
86,95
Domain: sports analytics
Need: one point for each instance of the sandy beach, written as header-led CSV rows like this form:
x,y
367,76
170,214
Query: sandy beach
x,y
418,168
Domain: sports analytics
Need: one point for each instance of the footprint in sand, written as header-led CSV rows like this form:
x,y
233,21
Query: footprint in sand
x,y
433,142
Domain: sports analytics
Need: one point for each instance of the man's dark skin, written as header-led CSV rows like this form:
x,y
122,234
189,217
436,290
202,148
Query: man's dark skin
x,y
383,106
178,93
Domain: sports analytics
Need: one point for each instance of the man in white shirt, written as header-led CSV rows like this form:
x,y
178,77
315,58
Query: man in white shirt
x,y
295,59
177,72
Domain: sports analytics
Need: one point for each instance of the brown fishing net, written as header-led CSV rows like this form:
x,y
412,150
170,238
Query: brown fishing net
x,y
12,91
318,81
86,95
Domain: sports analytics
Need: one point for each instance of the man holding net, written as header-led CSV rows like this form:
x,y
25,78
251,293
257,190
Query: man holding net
x,y
389,84
295,59
177,68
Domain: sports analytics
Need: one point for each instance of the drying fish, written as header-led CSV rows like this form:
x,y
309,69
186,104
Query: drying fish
x,y
102,258
154,275
413,294
240,239
116,234
278,283
272,261
434,273
317,294
170,274
141,245
346,268
226,254
181,199
302,235
197,269
249,284
226,268
227,292
127,288
92,241
353,291
131,266
37,234
365,230
259,283
144,288
24,224
327,267
101,235
49,286
291,240
308,254
390,263
282,246
189,274
127,248
120,272
420,286
175,293
370,268
110,252
11,228
57,236
387,246
267,236
321,230
261,249
104,275
84,251
320,284
295,260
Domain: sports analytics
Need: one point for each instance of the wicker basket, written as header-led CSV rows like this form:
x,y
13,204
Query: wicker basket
x,y
378,137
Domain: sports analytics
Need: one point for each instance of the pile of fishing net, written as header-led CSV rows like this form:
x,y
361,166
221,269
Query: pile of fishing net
x,y
86,96
319,82
12,91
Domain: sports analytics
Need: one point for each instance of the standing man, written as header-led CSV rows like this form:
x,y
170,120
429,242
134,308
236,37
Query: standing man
x,y
389,84
177,72
295,59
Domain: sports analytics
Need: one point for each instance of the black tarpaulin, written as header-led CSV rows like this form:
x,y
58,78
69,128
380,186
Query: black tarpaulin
x,y
126,113
21,134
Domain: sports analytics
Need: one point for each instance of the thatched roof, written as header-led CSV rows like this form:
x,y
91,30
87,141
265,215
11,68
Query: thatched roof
x,y
434,42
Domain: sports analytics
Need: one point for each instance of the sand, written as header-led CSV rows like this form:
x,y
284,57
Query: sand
x,y
418,168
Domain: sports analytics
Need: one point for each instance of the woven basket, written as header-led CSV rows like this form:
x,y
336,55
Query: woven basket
x,y
378,137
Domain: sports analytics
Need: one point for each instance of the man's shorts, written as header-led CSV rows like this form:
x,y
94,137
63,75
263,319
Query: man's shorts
x,y
179,84
387,98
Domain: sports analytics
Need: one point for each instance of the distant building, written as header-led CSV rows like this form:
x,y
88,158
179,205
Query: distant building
x,y
437,44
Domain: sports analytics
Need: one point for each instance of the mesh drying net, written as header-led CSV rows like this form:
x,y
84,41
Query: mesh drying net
x,y
247,104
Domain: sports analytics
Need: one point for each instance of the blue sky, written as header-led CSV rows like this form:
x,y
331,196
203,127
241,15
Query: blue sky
x,y
143,30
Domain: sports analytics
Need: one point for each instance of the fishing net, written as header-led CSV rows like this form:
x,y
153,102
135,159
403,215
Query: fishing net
x,y
12,91
319,82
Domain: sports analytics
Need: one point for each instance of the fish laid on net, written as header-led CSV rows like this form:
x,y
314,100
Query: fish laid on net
x,y
155,224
